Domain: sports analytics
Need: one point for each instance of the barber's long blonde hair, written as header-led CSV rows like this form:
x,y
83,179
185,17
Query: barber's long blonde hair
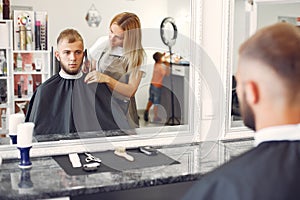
x,y
133,50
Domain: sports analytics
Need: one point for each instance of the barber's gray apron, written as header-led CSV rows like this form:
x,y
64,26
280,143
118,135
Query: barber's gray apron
x,y
118,70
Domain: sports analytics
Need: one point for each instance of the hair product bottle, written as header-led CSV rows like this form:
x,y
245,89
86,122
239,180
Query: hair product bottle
x,y
28,38
30,86
3,120
1,10
6,9
19,90
22,33
38,35
19,63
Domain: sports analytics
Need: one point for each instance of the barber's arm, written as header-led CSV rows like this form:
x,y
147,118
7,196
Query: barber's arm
x,y
126,89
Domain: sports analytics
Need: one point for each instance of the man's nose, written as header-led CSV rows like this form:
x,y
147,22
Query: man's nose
x,y
72,56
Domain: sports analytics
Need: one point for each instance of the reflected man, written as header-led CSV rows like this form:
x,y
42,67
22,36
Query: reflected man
x,y
64,103
268,86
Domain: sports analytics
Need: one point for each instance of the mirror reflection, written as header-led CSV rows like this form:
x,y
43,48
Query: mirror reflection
x,y
247,18
240,33
171,98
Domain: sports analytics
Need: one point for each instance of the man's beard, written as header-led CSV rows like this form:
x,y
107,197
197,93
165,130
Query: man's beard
x,y
247,114
70,72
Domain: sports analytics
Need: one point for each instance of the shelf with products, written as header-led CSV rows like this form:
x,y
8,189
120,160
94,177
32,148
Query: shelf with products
x,y
30,30
26,72
23,98
24,44
25,85
31,56
6,59
32,63
30,69
32,51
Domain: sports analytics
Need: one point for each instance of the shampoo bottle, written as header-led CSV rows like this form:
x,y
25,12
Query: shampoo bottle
x,y
30,86
19,62
3,120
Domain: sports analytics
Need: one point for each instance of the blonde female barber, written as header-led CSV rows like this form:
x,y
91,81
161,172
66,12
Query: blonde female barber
x,y
118,61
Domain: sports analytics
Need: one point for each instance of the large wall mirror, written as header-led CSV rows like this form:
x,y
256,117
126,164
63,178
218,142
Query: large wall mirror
x,y
244,18
64,14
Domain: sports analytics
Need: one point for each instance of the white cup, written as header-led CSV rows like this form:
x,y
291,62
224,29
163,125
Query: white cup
x,y
24,143
14,121
24,134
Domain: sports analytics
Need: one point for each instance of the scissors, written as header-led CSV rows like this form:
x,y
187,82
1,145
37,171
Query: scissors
x,y
87,62
91,158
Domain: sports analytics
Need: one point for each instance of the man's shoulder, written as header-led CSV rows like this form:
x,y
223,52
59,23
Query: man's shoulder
x,y
49,82
238,168
228,177
253,175
251,165
250,160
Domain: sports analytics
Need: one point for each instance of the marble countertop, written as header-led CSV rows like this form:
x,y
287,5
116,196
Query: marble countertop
x,y
46,179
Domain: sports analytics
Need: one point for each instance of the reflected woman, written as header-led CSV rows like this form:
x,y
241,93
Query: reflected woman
x,y
118,62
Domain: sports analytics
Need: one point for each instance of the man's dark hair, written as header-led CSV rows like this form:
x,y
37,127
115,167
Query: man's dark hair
x,y
157,56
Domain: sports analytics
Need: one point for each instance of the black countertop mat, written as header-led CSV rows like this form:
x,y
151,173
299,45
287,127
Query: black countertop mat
x,y
65,163
114,163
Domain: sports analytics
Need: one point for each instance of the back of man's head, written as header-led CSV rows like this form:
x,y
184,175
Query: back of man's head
x,y
278,47
269,76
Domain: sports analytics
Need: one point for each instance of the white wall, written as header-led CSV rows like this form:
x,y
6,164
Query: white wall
x,y
268,13
70,13
240,30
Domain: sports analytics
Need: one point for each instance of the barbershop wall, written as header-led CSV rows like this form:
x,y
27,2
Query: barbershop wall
x,y
268,14
68,13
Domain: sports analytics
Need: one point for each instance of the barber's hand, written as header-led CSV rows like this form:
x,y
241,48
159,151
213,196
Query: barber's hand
x,y
96,77
88,66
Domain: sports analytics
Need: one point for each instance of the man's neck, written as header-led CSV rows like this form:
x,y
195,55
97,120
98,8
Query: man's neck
x,y
65,75
279,116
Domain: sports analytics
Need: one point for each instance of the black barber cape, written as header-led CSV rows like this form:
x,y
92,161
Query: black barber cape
x,y
62,105
271,171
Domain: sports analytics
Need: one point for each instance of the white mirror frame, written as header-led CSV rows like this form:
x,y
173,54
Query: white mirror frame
x,y
228,30
167,135
227,62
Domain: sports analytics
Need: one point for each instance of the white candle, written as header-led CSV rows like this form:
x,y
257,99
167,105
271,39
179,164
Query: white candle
x,y
14,120
24,134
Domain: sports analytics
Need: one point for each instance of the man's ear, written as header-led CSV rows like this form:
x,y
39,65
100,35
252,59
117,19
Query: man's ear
x,y
252,92
57,55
